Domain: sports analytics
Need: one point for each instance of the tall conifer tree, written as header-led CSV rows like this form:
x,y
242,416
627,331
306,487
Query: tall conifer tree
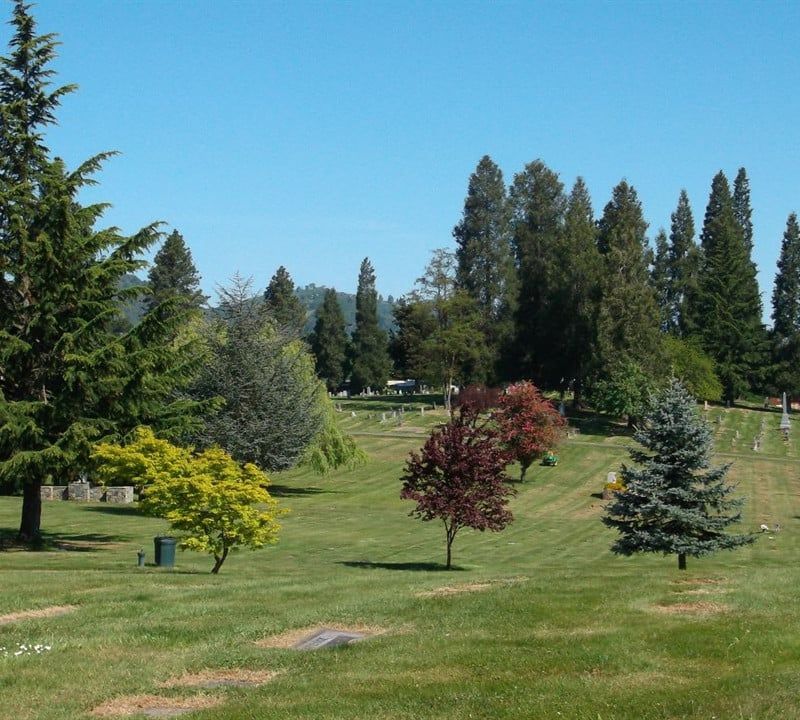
x,y
659,276
329,341
684,264
786,312
65,379
283,306
576,294
371,363
538,204
741,207
628,322
728,304
173,274
485,268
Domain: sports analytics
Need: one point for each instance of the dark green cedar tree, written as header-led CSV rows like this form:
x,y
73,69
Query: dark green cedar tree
x,y
786,313
283,306
66,380
486,271
674,503
683,267
537,203
173,275
329,342
728,304
369,346
659,277
628,319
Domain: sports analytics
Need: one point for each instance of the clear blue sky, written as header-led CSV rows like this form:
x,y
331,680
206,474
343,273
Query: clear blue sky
x,y
311,135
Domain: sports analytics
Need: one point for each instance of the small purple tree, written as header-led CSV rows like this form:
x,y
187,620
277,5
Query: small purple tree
x,y
459,477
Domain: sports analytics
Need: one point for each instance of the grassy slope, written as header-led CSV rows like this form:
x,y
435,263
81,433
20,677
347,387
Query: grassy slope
x,y
566,629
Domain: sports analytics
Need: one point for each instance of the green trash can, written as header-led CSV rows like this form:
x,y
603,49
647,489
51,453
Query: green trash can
x,y
165,551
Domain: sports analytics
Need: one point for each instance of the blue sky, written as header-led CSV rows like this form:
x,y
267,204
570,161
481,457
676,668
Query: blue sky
x,y
313,134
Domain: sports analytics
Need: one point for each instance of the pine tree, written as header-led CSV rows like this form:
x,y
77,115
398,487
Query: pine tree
x,y
174,275
628,318
728,306
538,204
659,277
273,407
283,306
786,313
371,364
786,294
673,502
741,208
65,379
485,262
329,342
684,264
576,294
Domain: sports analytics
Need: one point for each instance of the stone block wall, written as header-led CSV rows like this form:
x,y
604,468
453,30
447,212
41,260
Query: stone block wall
x,y
84,492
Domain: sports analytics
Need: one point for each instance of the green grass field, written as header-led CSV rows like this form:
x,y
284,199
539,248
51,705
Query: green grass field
x,y
550,623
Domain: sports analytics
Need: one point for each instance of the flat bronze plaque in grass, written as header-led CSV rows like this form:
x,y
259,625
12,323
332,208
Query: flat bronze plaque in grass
x,y
326,637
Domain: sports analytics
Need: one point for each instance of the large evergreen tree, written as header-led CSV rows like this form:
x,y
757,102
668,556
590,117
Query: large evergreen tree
x,y
273,407
683,266
786,312
673,502
575,294
283,306
659,276
728,306
741,208
173,275
485,262
329,342
370,356
538,204
65,379
628,322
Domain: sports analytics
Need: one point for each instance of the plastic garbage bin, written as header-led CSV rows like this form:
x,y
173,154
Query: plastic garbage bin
x,y
165,551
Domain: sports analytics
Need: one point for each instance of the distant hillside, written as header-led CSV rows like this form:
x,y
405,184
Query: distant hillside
x,y
311,296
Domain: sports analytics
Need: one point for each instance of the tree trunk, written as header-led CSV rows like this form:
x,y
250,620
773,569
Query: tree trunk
x,y
681,561
449,546
523,470
219,561
30,523
450,534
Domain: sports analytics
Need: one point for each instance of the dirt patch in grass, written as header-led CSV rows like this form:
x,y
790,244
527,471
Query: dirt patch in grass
x,y
230,677
695,608
700,581
87,545
447,590
290,638
154,706
702,591
53,611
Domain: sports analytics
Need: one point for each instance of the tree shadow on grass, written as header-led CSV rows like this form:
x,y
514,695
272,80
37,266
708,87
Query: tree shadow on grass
x,y
127,510
412,566
288,491
65,542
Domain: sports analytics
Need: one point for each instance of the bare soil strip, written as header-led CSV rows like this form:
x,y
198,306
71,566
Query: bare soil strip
x,y
52,611
696,608
229,677
454,590
153,706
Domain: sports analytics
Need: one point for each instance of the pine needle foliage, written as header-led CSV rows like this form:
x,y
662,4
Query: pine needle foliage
x,y
66,380
674,503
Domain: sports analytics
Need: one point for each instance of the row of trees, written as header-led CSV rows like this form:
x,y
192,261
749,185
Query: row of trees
x,y
538,287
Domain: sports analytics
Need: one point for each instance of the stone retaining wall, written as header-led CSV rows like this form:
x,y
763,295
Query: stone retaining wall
x,y
84,492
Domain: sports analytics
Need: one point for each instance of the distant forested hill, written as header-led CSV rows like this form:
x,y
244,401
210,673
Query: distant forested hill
x,y
311,296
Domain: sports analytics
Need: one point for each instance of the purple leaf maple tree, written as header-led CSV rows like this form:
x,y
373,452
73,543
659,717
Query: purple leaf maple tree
x,y
459,477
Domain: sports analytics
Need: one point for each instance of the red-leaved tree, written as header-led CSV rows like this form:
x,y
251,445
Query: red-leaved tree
x,y
529,424
459,477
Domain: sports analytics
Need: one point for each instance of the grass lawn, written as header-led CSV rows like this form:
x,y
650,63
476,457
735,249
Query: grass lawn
x,y
549,624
